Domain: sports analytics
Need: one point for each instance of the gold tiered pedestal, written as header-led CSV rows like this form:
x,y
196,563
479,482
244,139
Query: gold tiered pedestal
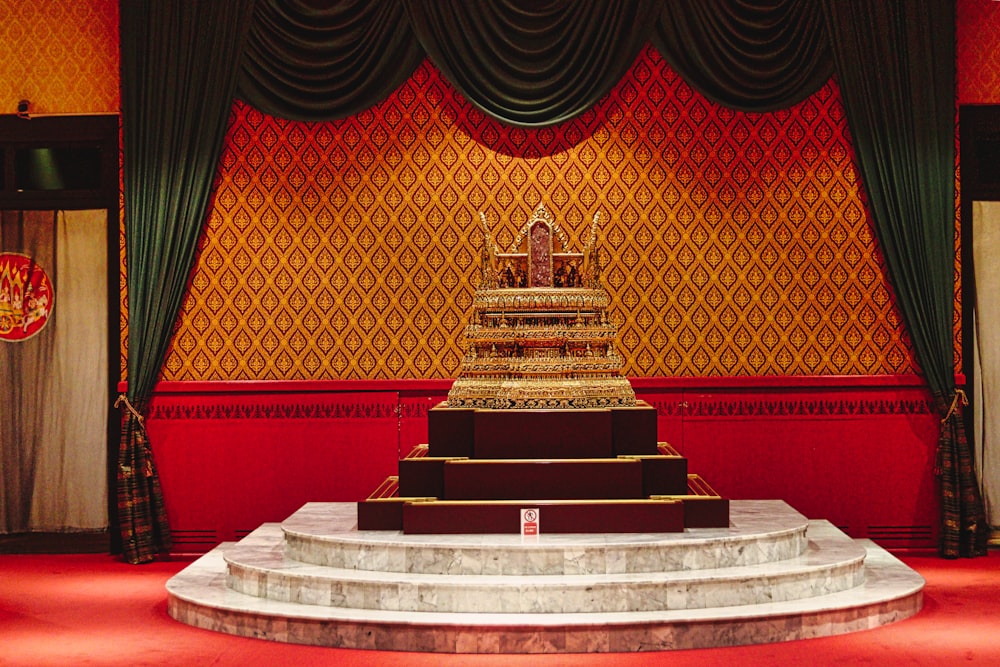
x,y
540,336
541,348
541,416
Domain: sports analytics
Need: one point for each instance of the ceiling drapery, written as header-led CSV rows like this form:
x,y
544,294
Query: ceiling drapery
x,y
532,63
305,63
752,56
535,63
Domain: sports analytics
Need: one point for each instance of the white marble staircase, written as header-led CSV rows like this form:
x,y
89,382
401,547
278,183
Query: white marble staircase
x,y
771,576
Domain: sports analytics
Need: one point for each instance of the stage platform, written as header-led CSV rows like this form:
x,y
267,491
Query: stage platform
x,y
771,576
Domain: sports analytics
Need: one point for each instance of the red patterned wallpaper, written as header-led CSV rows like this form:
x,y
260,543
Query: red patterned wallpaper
x,y
735,243
978,51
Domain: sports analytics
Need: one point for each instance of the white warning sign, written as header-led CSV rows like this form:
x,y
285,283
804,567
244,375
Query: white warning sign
x,y
529,522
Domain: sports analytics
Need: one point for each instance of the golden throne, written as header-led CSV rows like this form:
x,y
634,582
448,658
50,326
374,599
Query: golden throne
x,y
539,335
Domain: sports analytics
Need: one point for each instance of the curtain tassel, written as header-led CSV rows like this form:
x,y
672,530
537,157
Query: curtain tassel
x,y
122,398
959,400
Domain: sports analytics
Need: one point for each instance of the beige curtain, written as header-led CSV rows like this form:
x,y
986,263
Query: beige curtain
x,y
23,373
986,248
53,429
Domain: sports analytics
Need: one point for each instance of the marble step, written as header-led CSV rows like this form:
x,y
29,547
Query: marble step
x,y
198,596
258,566
760,531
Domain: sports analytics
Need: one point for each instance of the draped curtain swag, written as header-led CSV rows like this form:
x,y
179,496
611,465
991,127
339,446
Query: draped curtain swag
x,y
535,63
751,56
305,63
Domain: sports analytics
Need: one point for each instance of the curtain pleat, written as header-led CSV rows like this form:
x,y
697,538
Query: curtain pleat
x,y
71,484
532,63
303,62
24,370
179,60
895,61
986,363
752,56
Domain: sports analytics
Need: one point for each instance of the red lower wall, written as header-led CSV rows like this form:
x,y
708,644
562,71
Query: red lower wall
x,y
858,451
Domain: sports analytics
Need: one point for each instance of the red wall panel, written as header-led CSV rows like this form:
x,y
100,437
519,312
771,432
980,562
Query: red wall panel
x,y
871,473
858,451
231,460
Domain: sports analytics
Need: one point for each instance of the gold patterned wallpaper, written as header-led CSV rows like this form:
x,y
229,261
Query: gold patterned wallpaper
x,y
62,55
734,243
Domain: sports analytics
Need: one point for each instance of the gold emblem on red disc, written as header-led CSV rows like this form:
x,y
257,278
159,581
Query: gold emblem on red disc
x,y
26,297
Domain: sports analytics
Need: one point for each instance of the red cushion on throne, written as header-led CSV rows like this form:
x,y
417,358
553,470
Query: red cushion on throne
x,y
540,255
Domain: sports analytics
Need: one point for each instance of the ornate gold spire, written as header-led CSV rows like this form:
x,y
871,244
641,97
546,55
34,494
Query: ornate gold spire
x,y
539,335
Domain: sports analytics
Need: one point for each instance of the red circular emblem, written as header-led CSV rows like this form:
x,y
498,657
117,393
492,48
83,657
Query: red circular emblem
x,y
26,297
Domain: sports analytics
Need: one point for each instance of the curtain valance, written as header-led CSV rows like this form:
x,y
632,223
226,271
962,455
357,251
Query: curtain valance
x,y
536,63
528,63
306,63
752,56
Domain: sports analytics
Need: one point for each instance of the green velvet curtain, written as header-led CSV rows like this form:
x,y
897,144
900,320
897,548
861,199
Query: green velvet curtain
x,y
308,63
752,56
527,62
896,65
535,63
178,78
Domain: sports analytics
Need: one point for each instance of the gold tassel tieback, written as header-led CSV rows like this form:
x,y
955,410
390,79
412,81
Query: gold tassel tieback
x,y
122,398
960,399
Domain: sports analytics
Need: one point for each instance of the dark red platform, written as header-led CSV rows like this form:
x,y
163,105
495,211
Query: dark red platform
x,y
554,516
563,479
599,470
541,434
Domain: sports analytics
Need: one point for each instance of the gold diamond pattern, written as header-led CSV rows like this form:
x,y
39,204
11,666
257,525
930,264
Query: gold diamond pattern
x,y
734,243
62,56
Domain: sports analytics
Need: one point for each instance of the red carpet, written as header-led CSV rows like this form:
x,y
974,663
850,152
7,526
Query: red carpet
x,y
94,610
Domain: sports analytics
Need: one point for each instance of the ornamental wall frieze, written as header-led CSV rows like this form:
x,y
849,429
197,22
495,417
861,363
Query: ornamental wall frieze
x,y
688,407
333,410
741,407
417,408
